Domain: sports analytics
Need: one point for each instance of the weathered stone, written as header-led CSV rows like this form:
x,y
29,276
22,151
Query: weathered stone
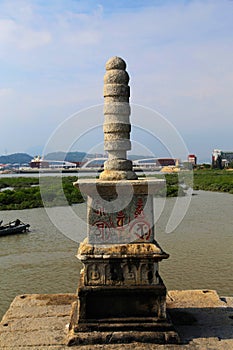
x,y
118,175
140,250
117,118
120,164
38,332
116,225
117,90
116,76
117,109
92,187
121,296
127,271
116,127
116,136
115,63
195,298
109,146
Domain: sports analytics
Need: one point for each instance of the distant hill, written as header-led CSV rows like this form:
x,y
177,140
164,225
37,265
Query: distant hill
x,y
24,158
20,158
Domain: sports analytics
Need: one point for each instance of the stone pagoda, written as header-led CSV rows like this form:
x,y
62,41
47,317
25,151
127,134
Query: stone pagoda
x,y
121,297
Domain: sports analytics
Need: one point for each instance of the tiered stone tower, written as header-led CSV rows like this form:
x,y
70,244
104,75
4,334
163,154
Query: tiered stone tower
x,y
121,296
117,125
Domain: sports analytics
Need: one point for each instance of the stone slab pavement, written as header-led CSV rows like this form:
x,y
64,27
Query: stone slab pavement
x,y
39,322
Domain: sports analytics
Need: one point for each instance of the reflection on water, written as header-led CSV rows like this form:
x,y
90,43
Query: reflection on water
x,y
43,260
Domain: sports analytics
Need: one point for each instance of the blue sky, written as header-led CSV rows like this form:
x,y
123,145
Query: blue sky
x,y
179,57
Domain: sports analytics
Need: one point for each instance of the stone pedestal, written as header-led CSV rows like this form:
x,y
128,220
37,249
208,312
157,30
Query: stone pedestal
x,y
120,289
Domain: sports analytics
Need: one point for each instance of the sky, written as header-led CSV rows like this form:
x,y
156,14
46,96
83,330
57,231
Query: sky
x,y
179,57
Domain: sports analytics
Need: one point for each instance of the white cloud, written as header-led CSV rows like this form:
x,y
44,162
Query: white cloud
x,y
30,39
4,92
179,58
16,36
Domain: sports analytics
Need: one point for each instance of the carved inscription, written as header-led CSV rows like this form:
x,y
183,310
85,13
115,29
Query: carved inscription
x,y
101,230
133,223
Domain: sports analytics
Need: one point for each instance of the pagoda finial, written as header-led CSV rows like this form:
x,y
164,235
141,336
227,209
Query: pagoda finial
x,y
117,124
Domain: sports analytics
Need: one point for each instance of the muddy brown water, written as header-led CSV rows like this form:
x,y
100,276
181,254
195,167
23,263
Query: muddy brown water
x,y
43,260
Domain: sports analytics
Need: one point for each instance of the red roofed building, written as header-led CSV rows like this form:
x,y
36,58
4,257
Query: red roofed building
x,y
192,159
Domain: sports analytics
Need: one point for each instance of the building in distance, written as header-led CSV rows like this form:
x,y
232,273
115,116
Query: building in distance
x,y
192,159
221,159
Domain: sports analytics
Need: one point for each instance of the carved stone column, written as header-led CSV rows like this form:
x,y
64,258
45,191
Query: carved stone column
x,y
121,296
117,124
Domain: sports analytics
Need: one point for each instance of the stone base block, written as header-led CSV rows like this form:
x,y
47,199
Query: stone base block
x,y
120,304
121,315
121,296
122,337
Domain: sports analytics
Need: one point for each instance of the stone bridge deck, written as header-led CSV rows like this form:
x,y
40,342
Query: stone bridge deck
x,y
39,322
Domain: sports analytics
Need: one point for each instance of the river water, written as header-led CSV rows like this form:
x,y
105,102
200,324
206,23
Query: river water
x,y
43,260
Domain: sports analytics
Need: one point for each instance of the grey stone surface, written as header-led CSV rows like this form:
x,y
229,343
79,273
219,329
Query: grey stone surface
x,y
116,223
117,124
228,301
117,90
116,76
92,187
119,293
120,164
117,109
115,63
36,332
117,127
118,145
120,211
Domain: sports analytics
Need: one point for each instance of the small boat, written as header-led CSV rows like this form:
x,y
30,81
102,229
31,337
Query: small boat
x,y
13,227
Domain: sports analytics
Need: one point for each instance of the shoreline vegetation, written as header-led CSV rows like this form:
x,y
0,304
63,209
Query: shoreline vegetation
x,y
24,192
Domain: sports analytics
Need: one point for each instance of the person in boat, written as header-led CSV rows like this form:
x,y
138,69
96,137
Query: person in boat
x,y
17,222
